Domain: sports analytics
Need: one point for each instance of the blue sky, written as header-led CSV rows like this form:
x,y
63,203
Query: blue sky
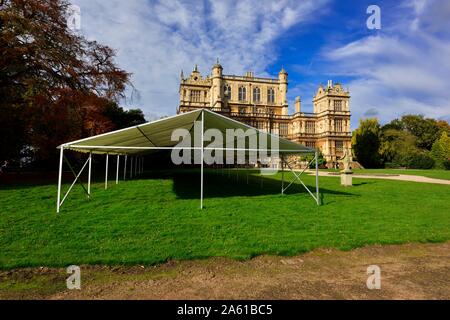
x,y
402,68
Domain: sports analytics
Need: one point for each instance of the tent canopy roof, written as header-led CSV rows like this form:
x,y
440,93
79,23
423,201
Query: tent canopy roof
x,y
157,135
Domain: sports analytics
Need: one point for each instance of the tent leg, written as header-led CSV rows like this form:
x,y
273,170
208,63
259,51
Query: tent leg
x,y
125,168
282,175
131,167
61,153
89,175
106,171
201,168
317,178
136,170
117,169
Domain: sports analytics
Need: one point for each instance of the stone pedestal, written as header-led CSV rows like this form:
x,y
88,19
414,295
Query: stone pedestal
x,y
346,178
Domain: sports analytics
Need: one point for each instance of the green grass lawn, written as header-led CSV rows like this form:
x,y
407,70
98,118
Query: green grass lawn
x,y
436,174
153,220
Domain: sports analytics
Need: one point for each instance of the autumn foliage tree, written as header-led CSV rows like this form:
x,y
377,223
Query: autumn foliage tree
x,y
55,85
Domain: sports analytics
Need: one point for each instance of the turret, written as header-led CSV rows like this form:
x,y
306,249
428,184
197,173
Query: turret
x,y
283,88
216,89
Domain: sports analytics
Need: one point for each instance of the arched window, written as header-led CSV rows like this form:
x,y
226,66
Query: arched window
x,y
270,95
256,94
242,94
227,91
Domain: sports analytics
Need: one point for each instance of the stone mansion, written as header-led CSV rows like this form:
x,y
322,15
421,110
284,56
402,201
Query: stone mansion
x,y
262,103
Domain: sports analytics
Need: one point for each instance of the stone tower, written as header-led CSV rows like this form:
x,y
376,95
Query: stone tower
x,y
216,88
332,109
283,88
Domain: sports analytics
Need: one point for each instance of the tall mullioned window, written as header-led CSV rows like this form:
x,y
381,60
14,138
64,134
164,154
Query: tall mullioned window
x,y
310,127
195,95
270,95
339,146
256,94
242,94
227,91
338,125
337,105
284,129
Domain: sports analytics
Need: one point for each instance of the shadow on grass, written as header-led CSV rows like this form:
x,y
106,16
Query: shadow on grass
x,y
233,183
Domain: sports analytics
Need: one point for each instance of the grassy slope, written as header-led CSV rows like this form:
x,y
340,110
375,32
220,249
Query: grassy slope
x,y
151,221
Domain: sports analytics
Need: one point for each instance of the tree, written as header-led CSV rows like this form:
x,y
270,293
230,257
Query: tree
x,y
366,143
122,118
440,151
321,162
426,130
52,81
443,126
397,146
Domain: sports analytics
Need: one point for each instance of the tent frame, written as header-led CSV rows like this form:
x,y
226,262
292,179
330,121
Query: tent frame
x,y
139,163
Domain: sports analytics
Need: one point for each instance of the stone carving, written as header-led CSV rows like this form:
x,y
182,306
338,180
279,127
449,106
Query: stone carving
x,y
346,159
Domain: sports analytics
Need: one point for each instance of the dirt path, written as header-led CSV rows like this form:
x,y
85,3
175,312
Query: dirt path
x,y
411,271
399,177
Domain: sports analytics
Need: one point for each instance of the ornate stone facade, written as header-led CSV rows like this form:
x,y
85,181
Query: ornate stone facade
x,y
262,103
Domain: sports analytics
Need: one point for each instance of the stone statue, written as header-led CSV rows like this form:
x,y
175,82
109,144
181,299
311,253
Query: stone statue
x,y
346,174
346,160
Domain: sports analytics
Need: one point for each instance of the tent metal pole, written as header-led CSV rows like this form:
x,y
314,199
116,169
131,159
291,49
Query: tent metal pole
x,y
125,168
106,171
131,167
282,174
75,181
317,177
61,153
201,157
89,175
138,166
117,170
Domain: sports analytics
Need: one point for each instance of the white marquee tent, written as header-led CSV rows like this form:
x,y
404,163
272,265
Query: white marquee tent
x,y
135,142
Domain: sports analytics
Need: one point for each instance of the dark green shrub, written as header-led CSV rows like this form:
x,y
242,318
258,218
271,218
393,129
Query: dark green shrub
x,y
447,164
420,161
392,165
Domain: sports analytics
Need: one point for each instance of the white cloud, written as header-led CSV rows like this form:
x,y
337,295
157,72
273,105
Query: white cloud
x,y
400,70
156,39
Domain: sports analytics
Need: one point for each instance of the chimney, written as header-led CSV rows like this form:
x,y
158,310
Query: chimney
x,y
298,105
330,84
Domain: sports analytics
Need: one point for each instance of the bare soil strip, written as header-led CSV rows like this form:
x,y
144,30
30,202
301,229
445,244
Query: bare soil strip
x,y
410,271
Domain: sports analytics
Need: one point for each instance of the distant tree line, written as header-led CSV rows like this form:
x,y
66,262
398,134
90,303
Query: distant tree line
x,y
55,85
412,141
